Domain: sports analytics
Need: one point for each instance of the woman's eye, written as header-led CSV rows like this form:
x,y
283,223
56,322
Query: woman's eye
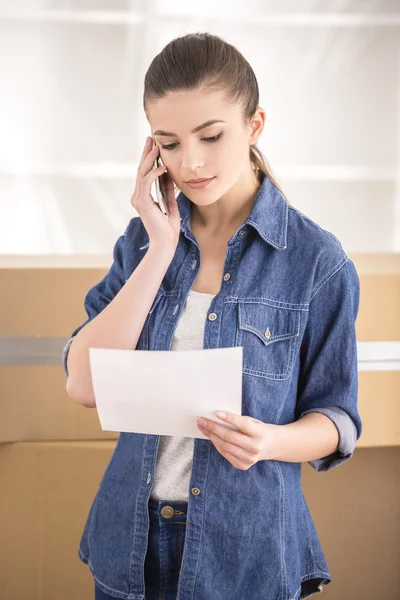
x,y
210,140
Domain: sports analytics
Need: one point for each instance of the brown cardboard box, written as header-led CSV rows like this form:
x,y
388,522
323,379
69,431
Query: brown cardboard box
x,y
46,492
47,489
34,404
379,407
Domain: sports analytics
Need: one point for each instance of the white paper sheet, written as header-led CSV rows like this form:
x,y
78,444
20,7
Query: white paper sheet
x,y
164,392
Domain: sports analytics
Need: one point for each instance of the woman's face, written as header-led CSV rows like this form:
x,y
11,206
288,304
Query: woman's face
x,y
193,155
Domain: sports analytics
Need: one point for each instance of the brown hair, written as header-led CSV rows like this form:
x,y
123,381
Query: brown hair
x,y
206,61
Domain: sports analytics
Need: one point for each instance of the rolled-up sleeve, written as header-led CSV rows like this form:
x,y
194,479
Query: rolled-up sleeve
x,y
65,356
328,381
101,294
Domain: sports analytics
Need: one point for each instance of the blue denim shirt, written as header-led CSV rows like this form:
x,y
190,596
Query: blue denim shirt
x,y
291,301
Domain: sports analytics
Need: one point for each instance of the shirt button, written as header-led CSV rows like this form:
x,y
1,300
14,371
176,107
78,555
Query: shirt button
x,y
267,333
212,316
195,491
242,233
227,276
167,512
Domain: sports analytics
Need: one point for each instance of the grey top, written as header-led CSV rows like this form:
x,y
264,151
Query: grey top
x,y
175,454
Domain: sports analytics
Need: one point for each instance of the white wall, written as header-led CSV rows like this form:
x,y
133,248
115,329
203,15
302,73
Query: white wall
x,y
72,124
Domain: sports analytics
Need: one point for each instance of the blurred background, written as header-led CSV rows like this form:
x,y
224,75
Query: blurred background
x,y
72,125
72,129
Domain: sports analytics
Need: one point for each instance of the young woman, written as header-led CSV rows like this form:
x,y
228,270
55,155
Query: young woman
x,y
222,516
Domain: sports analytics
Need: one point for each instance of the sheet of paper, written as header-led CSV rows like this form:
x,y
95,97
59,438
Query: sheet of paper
x,y
164,392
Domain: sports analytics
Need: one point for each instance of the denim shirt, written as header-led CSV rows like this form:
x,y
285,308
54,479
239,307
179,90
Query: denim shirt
x,y
289,296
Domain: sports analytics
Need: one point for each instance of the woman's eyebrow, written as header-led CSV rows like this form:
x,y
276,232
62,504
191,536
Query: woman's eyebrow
x,y
195,130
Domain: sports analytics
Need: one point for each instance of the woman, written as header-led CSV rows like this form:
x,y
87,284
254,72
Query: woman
x,y
220,516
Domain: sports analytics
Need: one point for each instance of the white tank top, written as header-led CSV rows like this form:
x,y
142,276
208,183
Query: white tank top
x,y
175,454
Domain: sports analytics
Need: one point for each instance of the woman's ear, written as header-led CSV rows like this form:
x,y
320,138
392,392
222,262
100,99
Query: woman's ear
x,y
257,125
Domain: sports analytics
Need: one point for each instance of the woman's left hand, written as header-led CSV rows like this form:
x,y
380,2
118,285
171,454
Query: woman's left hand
x,y
255,441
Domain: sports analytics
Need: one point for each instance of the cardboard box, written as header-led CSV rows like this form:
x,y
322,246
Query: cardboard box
x,y
43,301
34,406
47,489
46,492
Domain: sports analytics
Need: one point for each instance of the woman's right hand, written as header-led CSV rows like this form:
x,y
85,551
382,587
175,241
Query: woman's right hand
x,y
162,231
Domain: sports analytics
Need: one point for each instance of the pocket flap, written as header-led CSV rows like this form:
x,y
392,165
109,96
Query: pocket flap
x,y
269,323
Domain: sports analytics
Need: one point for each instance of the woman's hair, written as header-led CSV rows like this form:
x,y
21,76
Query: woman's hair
x,y
208,62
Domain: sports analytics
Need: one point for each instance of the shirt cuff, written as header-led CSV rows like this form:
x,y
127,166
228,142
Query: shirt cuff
x,y
65,356
347,438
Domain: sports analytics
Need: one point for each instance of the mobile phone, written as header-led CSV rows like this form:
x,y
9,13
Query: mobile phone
x,y
161,196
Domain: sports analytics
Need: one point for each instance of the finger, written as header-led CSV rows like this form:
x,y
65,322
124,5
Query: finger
x,y
149,155
148,163
167,185
227,435
151,176
243,422
167,181
237,456
147,148
242,464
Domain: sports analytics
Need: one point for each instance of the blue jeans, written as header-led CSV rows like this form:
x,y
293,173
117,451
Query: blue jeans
x,y
164,552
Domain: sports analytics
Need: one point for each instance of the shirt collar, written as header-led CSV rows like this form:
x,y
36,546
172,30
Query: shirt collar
x,y
269,215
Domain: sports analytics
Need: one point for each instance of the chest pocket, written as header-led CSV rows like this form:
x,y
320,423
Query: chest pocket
x,y
268,335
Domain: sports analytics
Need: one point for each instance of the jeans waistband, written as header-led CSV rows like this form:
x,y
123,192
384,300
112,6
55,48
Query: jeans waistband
x,y
157,516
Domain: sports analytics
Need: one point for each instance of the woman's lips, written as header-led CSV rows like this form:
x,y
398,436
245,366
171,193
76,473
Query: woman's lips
x,y
199,184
